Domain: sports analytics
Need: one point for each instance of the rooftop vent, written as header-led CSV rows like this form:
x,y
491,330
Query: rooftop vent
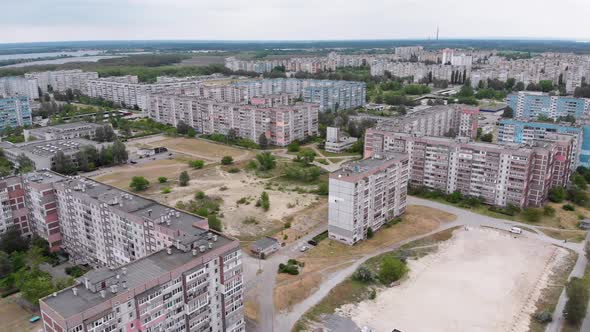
x,y
202,248
103,293
75,291
194,252
169,251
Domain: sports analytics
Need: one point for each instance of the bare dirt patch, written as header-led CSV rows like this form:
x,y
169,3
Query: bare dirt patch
x,y
480,280
330,256
14,318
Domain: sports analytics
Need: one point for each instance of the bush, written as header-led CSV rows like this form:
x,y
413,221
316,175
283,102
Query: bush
x,y
372,294
557,194
166,190
242,200
162,179
577,303
293,147
363,274
183,179
369,233
532,214
323,189
264,201
139,183
227,160
543,317
289,269
214,223
233,170
266,161
568,207
548,211
454,197
200,195
196,164
391,270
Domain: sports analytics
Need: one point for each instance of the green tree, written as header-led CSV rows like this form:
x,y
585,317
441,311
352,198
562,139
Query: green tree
x,y
162,179
196,164
557,194
263,141
63,164
227,160
139,183
25,165
391,270
370,233
508,112
183,179
214,223
577,303
119,152
11,241
306,157
579,181
487,137
293,147
264,201
266,161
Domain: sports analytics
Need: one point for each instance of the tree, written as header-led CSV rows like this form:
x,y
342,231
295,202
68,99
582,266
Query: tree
x,y
231,135
214,223
119,152
263,141
227,160
63,164
557,194
139,183
519,86
391,270
487,137
577,303
266,161
11,241
182,128
183,179
546,85
162,179
508,112
5,265
306,157
25,164
370,233
579,181
264,201
293,147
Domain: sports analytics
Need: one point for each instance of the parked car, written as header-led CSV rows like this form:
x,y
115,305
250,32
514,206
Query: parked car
x,y
133,162
34,319
313,242
303,248
516,230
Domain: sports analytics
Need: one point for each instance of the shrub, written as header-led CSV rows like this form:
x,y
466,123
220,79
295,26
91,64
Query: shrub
x,y
251,164
200,195
233,170
214,223
369,233
548,211
293,147
287,225
543,317
391,270
557,194
454,197
372,294
266,161
162,179
532,214
196,164
568,207
166,190
323,189
577,303
183,179
242,200
289,269
227,160
264,201
139,183
363,274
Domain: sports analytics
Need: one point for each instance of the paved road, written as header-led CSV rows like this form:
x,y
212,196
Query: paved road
x,y
263,284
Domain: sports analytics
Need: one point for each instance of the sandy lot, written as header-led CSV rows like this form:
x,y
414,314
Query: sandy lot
x,y
480,280
193,148
15,318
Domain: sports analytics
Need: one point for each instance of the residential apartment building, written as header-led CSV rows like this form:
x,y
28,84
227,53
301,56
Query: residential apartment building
x,y
15,112
366,194
441,120
62,80
281,124
158,269
336,142
63,131
526,132
19,86
529,105
499,174
128,92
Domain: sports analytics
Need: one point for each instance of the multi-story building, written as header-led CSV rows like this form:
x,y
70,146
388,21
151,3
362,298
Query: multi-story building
x,y
63,131
498,174
336,142
15,112
62,80
442,120
529,105
281,124
14,213
128,92
526,132
19,86
366,194
42,153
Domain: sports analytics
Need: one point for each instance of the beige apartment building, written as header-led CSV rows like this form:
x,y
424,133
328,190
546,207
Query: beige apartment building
x,y
62,80
499,174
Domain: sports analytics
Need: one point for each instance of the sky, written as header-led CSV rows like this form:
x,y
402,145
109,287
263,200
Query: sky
x,y
70,20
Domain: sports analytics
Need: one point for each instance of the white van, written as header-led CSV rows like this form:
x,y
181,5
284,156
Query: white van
x,y
516,230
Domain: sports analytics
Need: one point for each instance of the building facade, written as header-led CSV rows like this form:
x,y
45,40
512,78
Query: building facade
x,y
530,105
63,131
15,112
19,86
498,174
62,80
365,195
281,124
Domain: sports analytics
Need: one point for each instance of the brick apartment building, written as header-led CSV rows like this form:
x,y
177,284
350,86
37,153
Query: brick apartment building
x,y
499,174
366,194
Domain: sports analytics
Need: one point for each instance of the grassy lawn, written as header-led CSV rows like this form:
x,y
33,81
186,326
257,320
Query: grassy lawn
x,y
332,154
569,235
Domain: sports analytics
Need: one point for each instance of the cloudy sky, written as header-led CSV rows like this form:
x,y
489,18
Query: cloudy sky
x,y
60,20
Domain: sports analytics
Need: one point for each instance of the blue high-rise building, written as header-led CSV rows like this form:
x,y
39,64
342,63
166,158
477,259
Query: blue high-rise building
x,y
15,112
529,105
526,132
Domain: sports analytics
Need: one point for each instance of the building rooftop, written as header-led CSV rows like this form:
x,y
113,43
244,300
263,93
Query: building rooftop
x,y
132,275
363,166
49,148
65,127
